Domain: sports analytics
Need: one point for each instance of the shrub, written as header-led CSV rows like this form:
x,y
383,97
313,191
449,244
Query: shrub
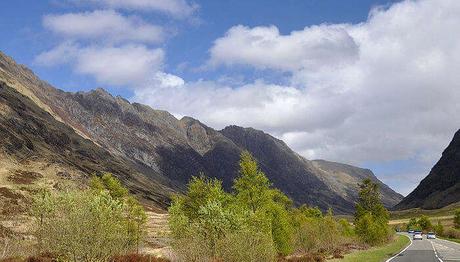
x,y
247,245
439,228
346,229
424,223
452,233
457,218
413,224
87,225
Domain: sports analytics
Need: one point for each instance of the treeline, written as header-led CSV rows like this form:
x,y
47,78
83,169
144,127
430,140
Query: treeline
x,y
256,222
423,223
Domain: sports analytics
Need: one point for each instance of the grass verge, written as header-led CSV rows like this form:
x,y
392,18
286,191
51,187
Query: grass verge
x,y
377,254
451,239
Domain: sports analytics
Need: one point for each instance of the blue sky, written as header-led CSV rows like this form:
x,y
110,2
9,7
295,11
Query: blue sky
x,y
25,37
364,82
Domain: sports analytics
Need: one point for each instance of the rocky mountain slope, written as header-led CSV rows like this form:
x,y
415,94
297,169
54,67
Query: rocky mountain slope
x,y
157,154
442,185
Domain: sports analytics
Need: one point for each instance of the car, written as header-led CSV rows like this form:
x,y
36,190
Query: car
x,y
430,235
417,236
410,231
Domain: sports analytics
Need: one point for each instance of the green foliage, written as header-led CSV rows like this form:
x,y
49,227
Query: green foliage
x,y
282,229
439,228
311,211
371,217
412,224
208,214
254,223
110,183
346,228
88,225
253,191
247,245
424,223
371,230
457,218
252,187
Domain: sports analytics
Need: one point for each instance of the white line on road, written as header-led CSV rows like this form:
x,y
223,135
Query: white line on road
x,y
401,250
435,252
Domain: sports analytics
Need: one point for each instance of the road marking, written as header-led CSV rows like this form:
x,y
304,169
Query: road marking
x,y
401,250
435,252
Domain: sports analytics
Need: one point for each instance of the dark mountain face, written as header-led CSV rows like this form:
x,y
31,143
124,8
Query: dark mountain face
x,y
167,152
442,185
35,146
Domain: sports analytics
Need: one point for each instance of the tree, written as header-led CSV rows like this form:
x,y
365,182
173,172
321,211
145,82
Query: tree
x,y
424,223
311,211
253,190
110,183
252,187
413,224
206,219
371,217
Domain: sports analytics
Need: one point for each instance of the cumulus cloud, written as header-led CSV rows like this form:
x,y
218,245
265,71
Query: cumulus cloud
x,y
127,65
264,47
375,92
106,25
176,8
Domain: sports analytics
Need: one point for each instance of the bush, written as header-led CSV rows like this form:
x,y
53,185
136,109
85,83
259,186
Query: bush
x,y
371,230
247,245
413,224
87,225
457,218
439,228
452,233
424,223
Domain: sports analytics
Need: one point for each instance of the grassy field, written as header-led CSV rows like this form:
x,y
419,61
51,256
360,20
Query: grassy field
x,y
416,212
377,254
445,220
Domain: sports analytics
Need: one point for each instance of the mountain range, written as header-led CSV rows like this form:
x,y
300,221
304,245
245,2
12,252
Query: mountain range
x,y
54,138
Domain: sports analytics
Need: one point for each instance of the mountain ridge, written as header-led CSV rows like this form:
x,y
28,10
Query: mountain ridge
x,y
170,151
441,187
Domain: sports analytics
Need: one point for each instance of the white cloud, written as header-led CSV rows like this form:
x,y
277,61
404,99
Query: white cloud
x,y
104,25
264,47
176,8
379,91
127,65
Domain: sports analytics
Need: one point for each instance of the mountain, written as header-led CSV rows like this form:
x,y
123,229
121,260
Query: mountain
x,y
442,185
153,153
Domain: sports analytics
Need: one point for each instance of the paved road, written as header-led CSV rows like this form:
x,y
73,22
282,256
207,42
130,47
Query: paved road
x,y
429,250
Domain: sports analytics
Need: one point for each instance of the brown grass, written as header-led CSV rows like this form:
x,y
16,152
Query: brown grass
x,y
24,177
137,258
309,257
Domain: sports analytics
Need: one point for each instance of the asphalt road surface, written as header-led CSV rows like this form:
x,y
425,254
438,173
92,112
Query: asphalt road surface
x,y
429,250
